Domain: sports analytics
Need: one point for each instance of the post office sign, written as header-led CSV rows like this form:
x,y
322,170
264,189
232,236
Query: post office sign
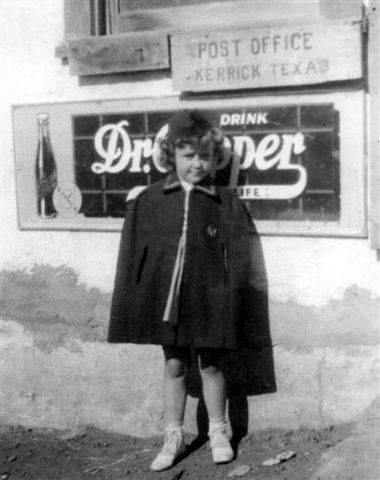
x,y
266,57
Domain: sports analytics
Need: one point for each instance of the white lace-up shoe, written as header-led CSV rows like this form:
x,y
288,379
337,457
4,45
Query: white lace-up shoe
x,y
174,446
220,445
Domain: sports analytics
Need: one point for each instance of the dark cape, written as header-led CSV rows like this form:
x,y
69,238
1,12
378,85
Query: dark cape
x,y
223,301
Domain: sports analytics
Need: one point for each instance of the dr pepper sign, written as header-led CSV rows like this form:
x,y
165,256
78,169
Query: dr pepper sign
x,y
266,57
266,153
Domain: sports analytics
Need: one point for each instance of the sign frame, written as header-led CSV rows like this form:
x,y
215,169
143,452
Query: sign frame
x,y
350,104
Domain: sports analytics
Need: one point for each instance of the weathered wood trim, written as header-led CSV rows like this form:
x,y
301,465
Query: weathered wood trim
x,y
78,18
144,15
118,53
112,16
61,51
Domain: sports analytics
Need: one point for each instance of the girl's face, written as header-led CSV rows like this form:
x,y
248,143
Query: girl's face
x,y
193,163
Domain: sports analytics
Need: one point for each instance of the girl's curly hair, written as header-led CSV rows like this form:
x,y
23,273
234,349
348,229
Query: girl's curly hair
x,y
167,147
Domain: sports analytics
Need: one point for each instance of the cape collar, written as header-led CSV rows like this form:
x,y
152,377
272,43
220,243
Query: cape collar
x,y
206,186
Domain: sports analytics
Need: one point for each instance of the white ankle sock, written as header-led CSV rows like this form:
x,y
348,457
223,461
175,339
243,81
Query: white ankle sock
x,y
177,426
216,422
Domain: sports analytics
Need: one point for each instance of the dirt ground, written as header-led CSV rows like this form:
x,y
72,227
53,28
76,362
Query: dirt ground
x,y
53,455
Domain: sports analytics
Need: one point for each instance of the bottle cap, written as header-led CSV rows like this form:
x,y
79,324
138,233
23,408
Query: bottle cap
x,y
43,118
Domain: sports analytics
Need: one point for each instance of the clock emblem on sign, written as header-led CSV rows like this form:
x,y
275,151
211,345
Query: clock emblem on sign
x,y
67,199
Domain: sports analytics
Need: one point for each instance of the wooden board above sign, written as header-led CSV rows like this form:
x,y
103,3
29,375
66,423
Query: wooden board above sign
x,y
266,57
118,53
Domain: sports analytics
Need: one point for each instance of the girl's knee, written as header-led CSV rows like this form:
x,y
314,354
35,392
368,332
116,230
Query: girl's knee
x,y
210,370
210,362
174,368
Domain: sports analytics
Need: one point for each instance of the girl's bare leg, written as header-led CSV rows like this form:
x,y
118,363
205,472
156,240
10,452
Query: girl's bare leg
x,y
174,404
175,392
214,392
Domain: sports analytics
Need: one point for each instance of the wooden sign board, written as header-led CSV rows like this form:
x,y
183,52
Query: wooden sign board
x,y
118,53
266,57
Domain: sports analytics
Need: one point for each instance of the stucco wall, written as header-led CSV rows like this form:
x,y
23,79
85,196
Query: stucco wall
x,y
57,371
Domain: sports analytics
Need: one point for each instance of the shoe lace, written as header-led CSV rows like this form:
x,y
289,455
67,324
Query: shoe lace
x,y
172,442
218,435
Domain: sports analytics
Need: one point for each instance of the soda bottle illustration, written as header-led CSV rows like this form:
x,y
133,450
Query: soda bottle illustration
x,y
46,170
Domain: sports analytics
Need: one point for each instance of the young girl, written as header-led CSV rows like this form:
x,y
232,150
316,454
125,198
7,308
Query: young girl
x,y
182,278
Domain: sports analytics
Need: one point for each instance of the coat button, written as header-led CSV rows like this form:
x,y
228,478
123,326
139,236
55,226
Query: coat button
x,y
212,231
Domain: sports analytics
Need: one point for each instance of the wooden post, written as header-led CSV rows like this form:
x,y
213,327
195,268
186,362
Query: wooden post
x,y
374,126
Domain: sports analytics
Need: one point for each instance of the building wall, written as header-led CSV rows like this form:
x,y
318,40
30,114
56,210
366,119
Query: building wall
x,y
57,370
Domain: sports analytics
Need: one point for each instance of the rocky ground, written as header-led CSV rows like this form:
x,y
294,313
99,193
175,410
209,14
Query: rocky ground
x,y
53,455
